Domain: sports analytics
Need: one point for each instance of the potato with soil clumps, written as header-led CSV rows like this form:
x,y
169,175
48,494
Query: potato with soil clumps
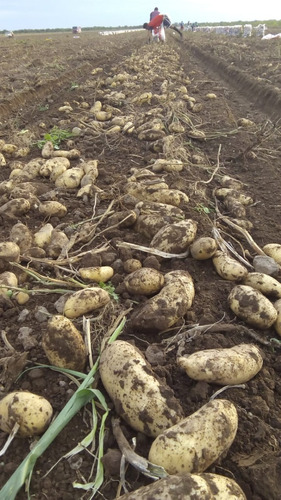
x,y
189,487
63,344
228,268
144,281
85,301
31,412
203,248
252,306
273,250
168,306
266,284
224,366
197,441
176,237
146,403
9,252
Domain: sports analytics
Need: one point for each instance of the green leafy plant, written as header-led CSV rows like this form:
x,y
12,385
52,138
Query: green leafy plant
x,y
203,209
55,136
109,287
43,107
74,86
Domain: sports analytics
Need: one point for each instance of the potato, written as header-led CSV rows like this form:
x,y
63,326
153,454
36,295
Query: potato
x,y
266,284
52,209
30,411
146,403
16,207
164,309
58,241
63,344
225,366
7,280
203,248
54,163
176,237
9,252
131,265
149,225
277,323
84,301
43,237
189,487
167,165
230,182
229,268
144,281
169,212
47,150
97,274
22,236
197,441
273,250
252,306
72,154
70,179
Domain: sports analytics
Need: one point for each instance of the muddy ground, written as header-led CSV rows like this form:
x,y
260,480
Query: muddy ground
x,y
39,75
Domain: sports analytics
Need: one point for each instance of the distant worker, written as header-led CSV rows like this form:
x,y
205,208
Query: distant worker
x,y
158,25
181,26
154,13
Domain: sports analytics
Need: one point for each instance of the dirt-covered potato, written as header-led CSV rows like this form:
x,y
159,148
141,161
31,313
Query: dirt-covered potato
x,y
189,487
144,281
63,344
273,250
97,274
149,225
176,237
31,412
131,265
16,207
277,323
197,441
224,366
203,248
22,236
168,306
145,402
252,306
84,301
52,209
9,252
70,179
266,284
7,280
229,268
57,242
43,237
169,212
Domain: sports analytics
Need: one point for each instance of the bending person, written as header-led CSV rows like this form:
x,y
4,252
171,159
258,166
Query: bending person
x,y
158,22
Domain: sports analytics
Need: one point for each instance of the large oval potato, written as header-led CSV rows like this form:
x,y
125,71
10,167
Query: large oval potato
x,y
176,237
144,281
252,306
189,487
97,274
168,306
84,301
229,268
63,344
31,412
264,283
140,398
225,366
197,441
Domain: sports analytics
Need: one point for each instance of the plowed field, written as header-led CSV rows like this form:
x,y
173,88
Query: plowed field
x,y
211,103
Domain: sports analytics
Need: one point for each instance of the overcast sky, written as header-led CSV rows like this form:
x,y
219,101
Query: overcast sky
x,y
36,14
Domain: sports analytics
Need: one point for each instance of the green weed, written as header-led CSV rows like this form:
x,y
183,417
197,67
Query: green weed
x,y
55,136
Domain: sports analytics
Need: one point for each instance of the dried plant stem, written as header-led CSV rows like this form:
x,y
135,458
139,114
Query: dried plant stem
x,y
153,251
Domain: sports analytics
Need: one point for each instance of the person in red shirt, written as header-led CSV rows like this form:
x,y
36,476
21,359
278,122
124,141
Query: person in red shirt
x,y
158,22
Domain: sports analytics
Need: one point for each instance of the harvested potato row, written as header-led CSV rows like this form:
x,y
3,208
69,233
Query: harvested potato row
x,y
228,268
164,309
140,398
189,486
252,306
31,412
224,366
63,344
197,441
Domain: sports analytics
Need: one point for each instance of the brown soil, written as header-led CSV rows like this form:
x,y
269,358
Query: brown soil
x,y
39,74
